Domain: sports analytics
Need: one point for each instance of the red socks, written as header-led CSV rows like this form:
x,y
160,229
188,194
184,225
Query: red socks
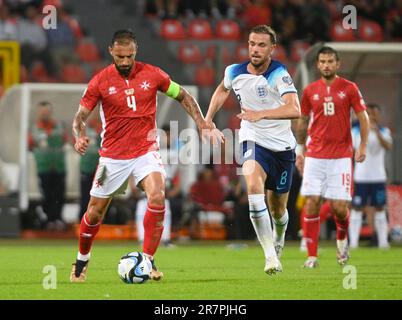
x,y
153,228
311,231
87,235
342,227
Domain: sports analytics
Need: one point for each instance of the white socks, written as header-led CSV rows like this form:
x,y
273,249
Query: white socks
x,y
262,223
83,257
354,227
280,226
381,227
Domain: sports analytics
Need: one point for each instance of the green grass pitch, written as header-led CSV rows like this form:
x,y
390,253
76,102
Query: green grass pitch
x,y
198,271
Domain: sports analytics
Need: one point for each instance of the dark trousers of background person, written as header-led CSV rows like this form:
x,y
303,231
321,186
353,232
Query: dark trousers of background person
x,y
53,186
294,214
86,185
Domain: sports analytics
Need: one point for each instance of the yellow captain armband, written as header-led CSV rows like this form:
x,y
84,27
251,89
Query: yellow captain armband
x,y
173,90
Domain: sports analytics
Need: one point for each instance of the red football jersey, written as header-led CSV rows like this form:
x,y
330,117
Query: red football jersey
x,y
329,107
127,108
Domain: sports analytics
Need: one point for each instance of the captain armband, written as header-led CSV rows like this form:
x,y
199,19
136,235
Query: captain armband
x,y
173,90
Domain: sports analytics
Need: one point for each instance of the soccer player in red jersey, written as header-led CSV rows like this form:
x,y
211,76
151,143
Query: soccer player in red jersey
x,y
328,150
127,91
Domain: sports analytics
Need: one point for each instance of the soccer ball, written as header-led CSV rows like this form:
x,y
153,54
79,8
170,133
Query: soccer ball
x,y
134,267
396,233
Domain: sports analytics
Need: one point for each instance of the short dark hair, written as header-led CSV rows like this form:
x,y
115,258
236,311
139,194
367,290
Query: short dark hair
x,y
44,103
263,28
327,50
373,106
123,36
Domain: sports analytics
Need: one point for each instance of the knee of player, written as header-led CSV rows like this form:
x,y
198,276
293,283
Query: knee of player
x,y
339,208
156,197
94,214
313,204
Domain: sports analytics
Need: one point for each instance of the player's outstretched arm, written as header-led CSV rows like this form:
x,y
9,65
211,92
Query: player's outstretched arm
x,y
218,99
207,130
364,123
289,110
81,140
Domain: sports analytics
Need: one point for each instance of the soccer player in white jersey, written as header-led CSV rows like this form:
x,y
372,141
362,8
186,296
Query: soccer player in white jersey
x,y
268,100
370,181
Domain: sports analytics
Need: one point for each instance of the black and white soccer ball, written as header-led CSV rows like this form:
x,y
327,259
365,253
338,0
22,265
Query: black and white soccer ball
x,y
134,267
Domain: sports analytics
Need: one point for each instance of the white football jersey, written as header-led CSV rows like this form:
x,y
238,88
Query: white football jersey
x,y
262,92
372,169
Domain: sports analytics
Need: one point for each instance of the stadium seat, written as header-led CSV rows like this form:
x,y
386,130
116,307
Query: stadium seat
x,y
234,122
87,51
200,29
39,73
73,73
370,31
189,53
231,103
339,33
227,30
172,30
279,53
298,50
55,3
241,53
204,76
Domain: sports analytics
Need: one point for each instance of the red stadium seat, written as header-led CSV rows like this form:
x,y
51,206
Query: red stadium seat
x,y
73,73
339,33
200,29
279,53
56,3
189,53
87,51
204,76
227,30
231,103
298,50
370,31
172,30
39,73
241,53
234,122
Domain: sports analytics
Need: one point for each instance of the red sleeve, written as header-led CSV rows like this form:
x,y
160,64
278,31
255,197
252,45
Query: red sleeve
x,y
305,103
356,99
164,80
91,95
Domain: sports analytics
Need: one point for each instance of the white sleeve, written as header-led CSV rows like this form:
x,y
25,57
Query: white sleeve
x,y
284,82
386,133
355,137
227,80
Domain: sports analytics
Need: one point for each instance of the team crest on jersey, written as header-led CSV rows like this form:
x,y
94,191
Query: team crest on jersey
x,y
316,97
262,91
112,90
145,85
129,92
341,94
288,80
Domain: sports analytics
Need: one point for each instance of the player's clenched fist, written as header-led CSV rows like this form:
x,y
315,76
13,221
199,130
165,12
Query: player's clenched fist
x,y
81,145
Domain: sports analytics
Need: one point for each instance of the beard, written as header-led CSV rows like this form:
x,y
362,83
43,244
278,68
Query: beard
x,y
328,75
124,71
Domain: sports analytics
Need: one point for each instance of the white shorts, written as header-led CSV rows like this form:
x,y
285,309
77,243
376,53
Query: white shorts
x,y
329,178
112,175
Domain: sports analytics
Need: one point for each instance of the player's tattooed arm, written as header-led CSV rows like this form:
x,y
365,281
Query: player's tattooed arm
x,y
207,130
81,140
